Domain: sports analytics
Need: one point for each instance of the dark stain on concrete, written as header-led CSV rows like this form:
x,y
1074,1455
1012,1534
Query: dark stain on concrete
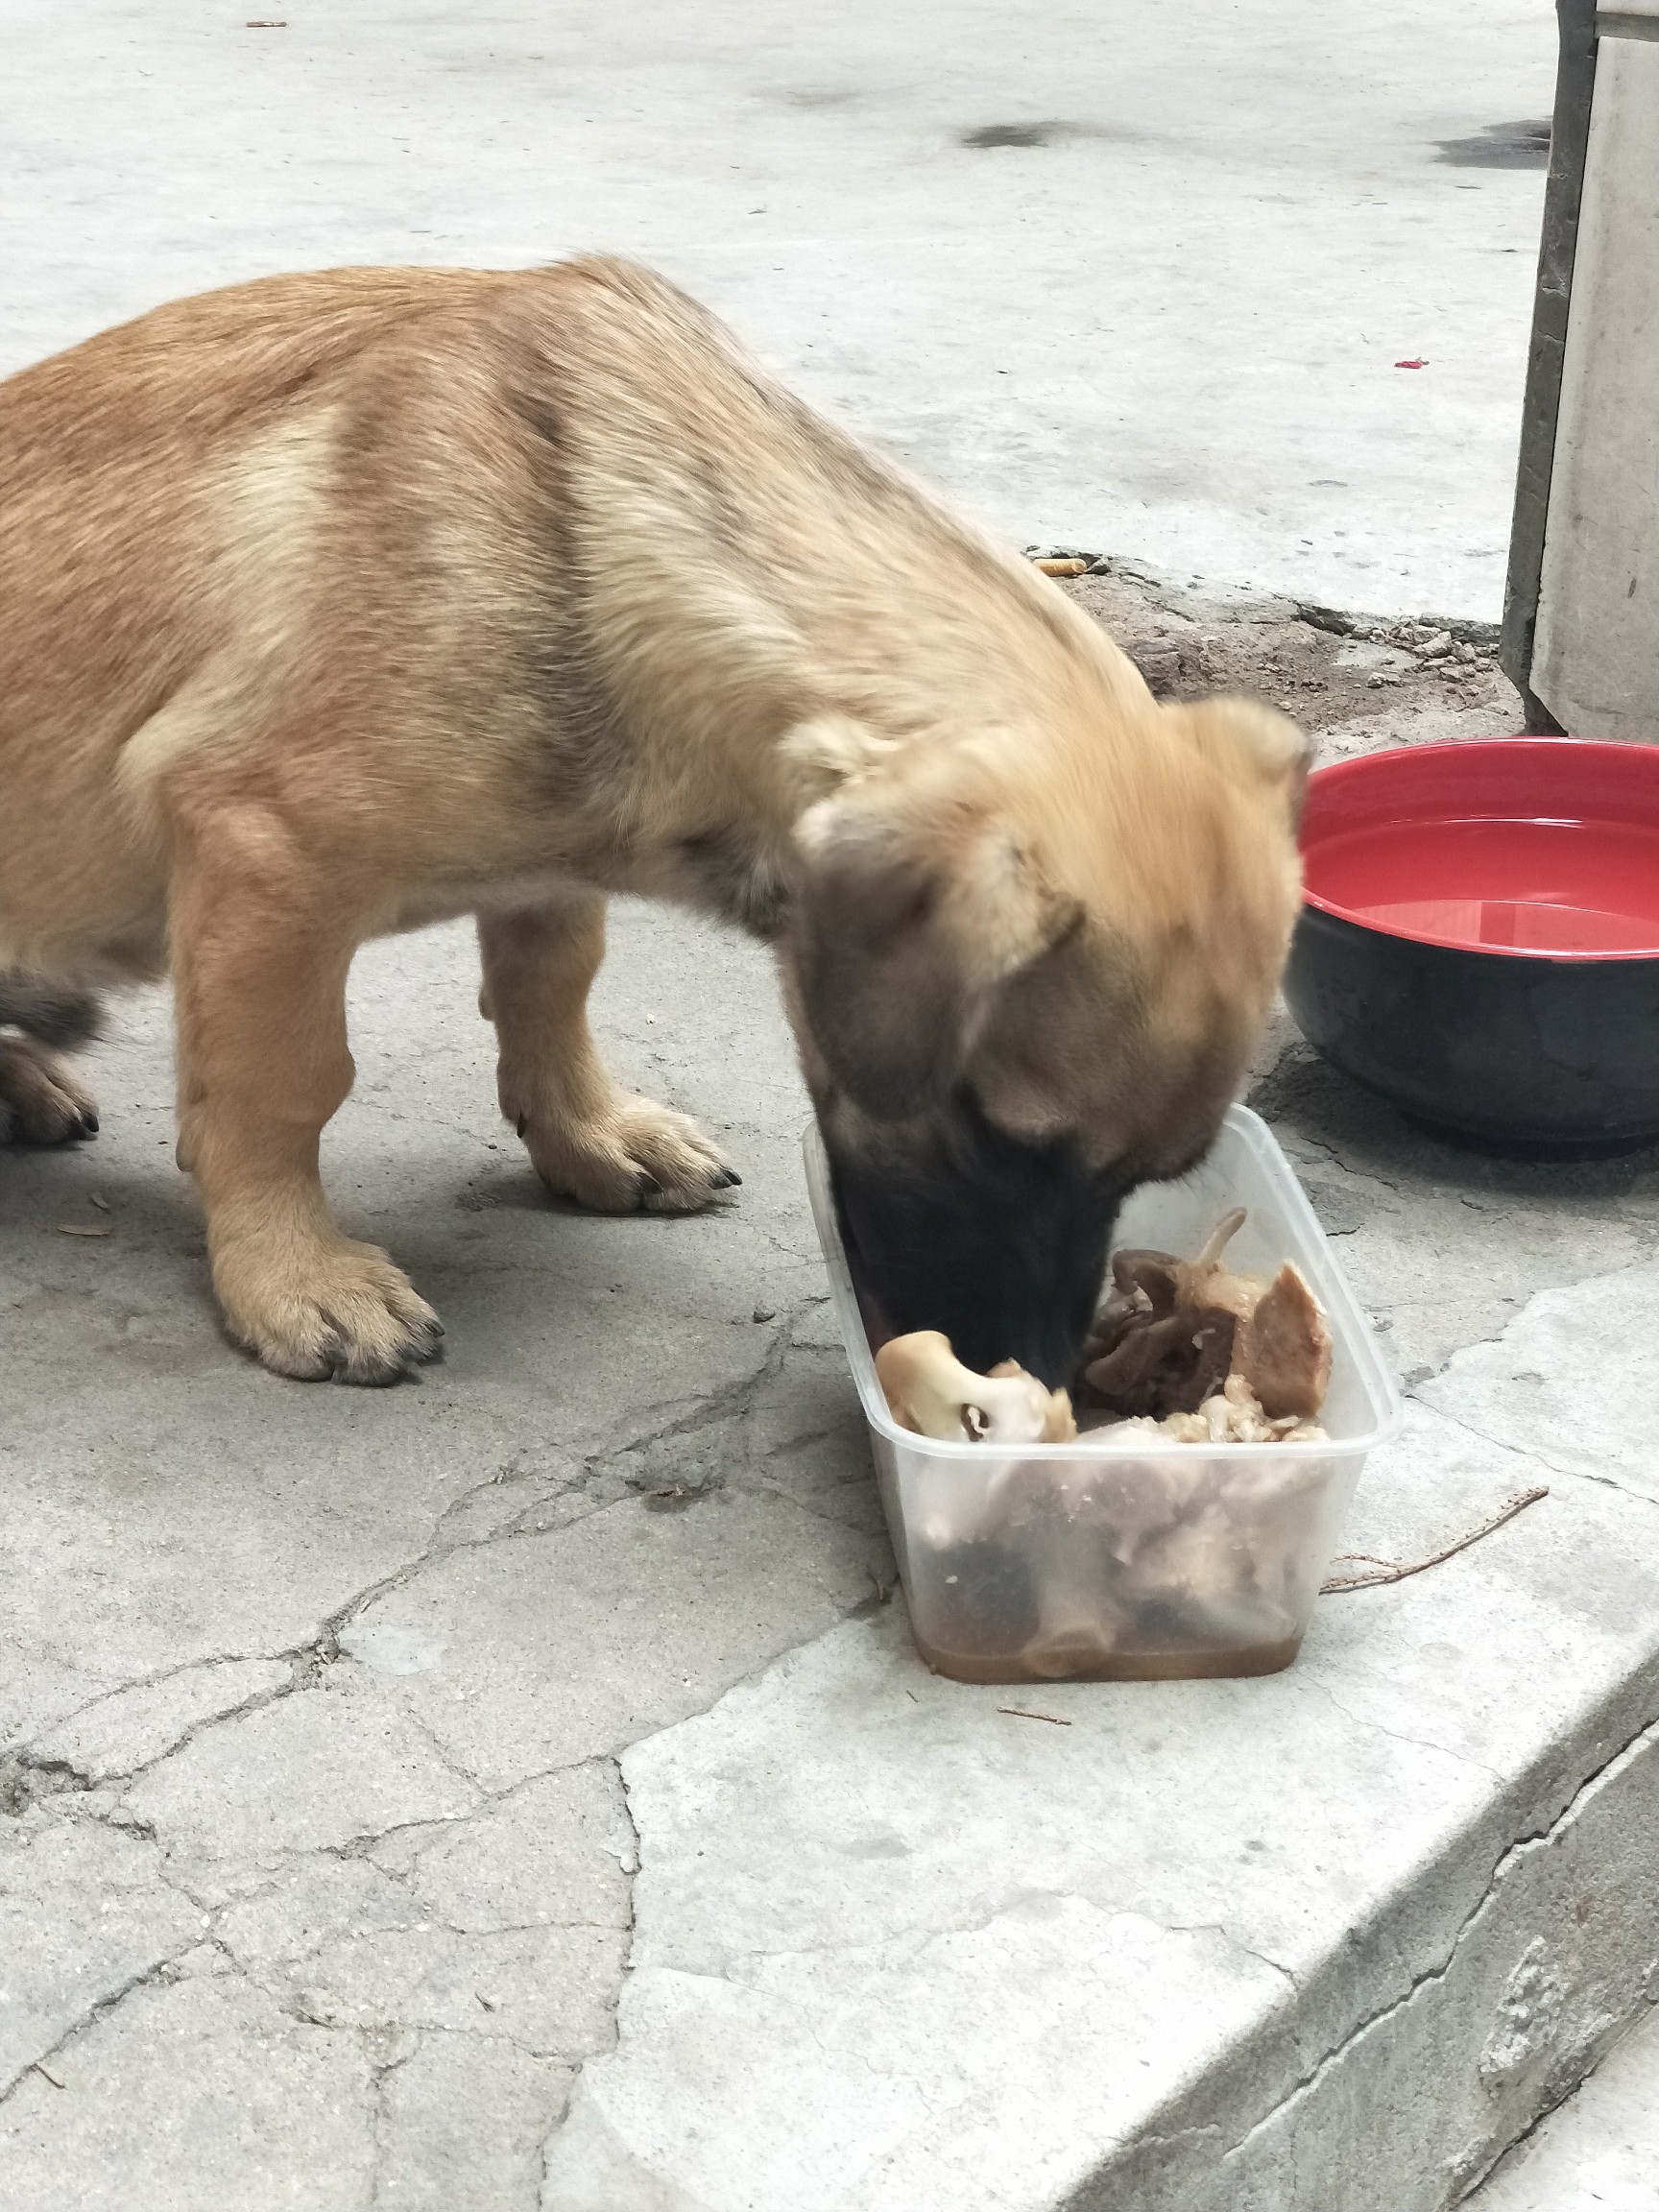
x,y
1500,146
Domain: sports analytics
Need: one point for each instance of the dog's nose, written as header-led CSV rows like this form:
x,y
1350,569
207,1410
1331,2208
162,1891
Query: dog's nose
x,y
1026,1329
1048,1351
1008,1267
989,1307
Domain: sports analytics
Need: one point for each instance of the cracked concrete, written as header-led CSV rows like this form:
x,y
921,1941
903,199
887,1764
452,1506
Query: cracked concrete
x,y
1542,1387
197,2091
1599,2150
324,1709
1216,1945
519,1789
517,1793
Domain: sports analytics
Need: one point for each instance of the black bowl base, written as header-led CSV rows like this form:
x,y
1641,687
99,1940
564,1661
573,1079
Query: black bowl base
x,y
1557,1148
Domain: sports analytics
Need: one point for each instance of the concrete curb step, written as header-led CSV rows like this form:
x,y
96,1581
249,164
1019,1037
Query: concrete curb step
x,y
1327,1942
1599,2152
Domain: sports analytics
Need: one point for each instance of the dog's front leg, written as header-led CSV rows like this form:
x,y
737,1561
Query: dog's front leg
x,y
260,949
590,1139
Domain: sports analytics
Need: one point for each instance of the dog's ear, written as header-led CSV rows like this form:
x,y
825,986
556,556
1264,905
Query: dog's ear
x,y
1253,745
909,916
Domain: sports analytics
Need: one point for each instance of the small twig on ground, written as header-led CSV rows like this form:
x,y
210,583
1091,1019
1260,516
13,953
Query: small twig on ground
x,y
1020,1713
40,2068
1397,1570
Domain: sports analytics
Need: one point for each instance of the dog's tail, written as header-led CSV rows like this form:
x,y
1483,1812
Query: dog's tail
x,y
50,1013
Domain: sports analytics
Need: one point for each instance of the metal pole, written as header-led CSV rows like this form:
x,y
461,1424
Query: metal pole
x,y
1569,137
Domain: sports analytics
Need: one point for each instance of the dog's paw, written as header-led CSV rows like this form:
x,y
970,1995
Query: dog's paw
x,y
636,1157
40,1100
341,1311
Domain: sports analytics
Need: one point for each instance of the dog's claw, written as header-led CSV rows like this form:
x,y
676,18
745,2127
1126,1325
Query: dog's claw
x,y
724,1178
634,1157
398,1366
352,1319
41,1101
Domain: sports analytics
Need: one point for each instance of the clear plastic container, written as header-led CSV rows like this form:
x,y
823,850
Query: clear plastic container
x,y
1130,1561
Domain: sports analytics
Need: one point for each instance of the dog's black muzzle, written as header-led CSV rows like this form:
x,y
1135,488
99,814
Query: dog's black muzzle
x,y
951,1224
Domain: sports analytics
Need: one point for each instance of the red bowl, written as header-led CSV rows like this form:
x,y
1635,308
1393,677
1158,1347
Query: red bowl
x,y
1480,937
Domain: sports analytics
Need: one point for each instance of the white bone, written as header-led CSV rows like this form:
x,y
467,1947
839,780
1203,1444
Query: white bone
x,y
931,1391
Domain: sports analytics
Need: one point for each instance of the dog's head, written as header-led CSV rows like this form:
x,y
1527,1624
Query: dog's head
x,y
1024,977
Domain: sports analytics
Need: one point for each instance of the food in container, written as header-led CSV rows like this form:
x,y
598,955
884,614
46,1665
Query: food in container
x,y
1124,1553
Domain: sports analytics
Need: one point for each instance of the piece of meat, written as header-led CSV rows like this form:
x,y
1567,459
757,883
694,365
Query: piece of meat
x,y
1165,1365
1171,1284
1183,1348
1232,1415
1285,1354
1163,1339
1121,1310
928,1390
1173,1333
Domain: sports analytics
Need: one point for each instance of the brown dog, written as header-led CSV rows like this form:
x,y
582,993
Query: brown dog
x,y
335,604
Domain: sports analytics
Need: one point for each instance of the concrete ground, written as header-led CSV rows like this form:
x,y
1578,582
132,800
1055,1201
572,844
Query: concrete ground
x,y
1137,277
1599,2152
518,1789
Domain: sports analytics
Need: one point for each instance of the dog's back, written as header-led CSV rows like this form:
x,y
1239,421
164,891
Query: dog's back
x,y
318,517
151,480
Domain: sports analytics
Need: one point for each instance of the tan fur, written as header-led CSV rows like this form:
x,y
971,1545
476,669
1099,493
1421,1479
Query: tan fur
x,y
339,603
